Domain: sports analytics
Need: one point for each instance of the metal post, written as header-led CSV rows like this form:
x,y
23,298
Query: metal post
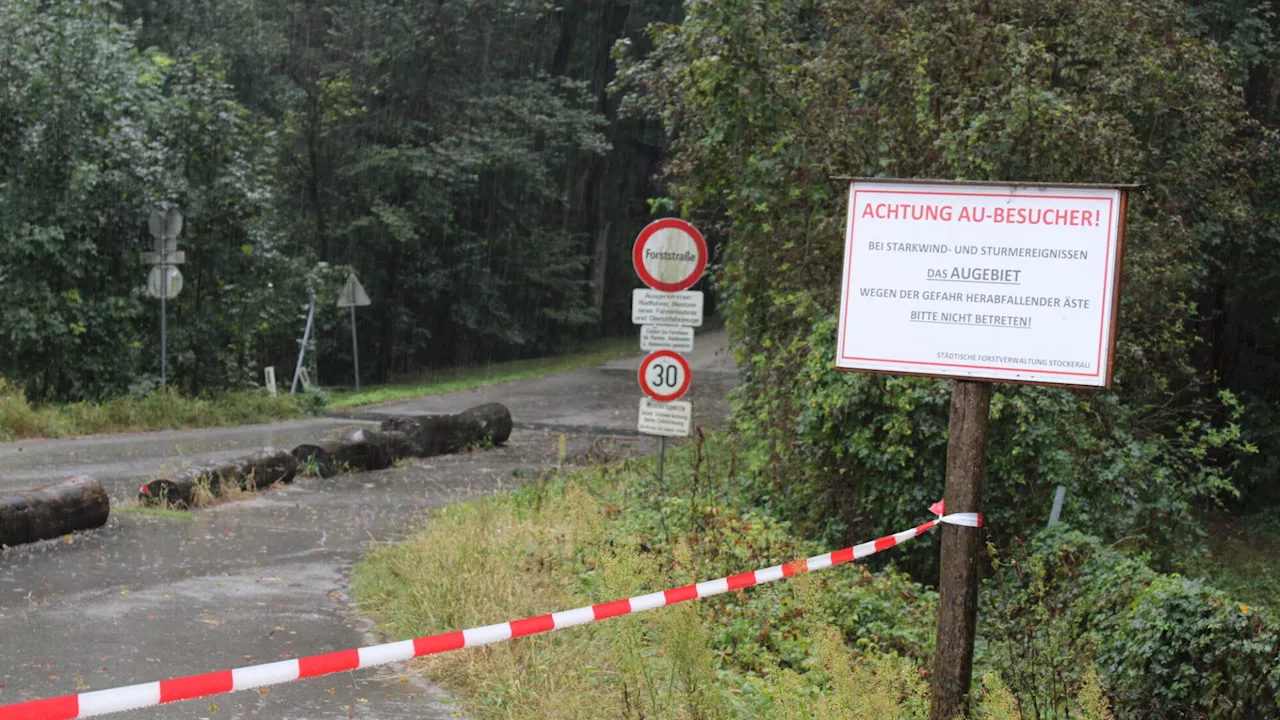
x,y
961,549
1059,496
355,348
306,335
164,329
662,452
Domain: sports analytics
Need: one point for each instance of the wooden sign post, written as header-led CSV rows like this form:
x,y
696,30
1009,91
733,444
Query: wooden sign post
x,y
961,549
983,283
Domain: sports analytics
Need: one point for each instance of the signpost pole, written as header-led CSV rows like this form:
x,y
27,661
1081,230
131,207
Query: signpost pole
x,y
662,452
355,348
353,294
961,551
164,226
164,329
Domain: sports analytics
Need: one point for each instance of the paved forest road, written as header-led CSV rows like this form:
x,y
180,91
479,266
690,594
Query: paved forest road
x,y
146,599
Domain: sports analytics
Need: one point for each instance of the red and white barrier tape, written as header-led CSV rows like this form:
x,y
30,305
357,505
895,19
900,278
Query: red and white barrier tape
x,y
132,697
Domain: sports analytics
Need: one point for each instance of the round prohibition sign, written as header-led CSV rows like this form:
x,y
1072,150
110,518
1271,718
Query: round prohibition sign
x,y
670,255
665,376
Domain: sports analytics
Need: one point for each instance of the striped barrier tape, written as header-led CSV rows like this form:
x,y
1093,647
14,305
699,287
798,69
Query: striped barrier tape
x,y
133,697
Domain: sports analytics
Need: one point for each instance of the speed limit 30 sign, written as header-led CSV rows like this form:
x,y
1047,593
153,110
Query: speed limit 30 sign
x,y
664,375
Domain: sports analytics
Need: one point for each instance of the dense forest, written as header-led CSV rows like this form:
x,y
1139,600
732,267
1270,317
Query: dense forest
x,y
465,159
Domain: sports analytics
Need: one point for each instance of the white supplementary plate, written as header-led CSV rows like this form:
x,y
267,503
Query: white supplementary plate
x,y
1002,282
654,307
666,337
668,419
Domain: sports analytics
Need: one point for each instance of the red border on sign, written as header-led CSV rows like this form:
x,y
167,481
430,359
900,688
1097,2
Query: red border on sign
x,y
1106,273
637,255
644,367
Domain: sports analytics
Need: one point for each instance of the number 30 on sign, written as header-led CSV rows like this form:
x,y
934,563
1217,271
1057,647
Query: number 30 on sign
x,y
664,375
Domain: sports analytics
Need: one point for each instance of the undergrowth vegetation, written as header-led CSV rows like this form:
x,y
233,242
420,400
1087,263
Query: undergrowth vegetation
x,y
1070,627
1164,645
1242,556
612,532
19,418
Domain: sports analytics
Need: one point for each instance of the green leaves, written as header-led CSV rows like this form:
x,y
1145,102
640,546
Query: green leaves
x,y
1164,645
766,102
96,133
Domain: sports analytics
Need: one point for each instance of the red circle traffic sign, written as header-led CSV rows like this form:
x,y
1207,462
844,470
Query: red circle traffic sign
x,y
664,375
670,255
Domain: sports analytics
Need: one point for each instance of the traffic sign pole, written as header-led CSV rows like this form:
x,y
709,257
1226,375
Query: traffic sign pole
x,y
355,348
164,329
662,452
164,227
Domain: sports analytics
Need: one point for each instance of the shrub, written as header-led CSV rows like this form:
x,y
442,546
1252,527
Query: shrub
x,y
1162,645
1182,649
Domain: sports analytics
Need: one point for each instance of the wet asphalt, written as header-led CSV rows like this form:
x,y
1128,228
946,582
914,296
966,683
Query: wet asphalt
x,y
268,578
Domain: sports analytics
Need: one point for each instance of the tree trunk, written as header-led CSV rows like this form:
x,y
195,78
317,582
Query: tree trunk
x,y
357,451
569,16
79,503
613,22
441,434
256,471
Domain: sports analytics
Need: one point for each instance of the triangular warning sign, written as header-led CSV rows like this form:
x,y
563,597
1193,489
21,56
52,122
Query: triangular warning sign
x,y
353,294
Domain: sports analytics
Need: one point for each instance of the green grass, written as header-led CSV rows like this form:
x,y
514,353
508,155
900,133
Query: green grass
x,y
473,377
155,512
158,411
1244,557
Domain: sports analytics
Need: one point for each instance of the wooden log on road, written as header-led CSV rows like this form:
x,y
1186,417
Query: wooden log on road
x,y
442,434
356,451
78,503
259,470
